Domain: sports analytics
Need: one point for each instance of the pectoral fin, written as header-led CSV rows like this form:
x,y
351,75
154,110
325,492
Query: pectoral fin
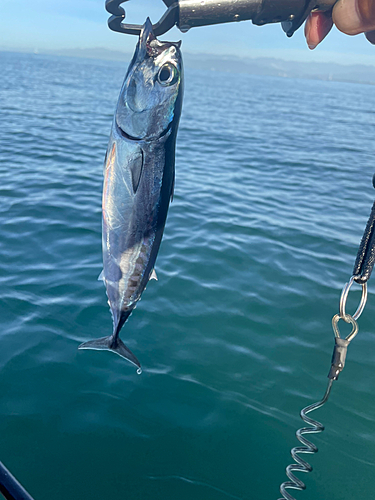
x,y
135,167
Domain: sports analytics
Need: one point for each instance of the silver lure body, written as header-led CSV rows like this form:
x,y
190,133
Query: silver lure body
x,y
139,178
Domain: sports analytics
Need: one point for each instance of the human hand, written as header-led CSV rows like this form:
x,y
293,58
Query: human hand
x,y
350,16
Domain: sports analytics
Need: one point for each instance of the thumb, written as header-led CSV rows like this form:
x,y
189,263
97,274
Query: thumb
x,y
354,16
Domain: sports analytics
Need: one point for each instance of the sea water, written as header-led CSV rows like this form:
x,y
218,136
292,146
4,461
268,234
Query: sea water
x,y
273,190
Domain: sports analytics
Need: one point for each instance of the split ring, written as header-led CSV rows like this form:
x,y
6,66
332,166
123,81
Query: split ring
x,y
344,296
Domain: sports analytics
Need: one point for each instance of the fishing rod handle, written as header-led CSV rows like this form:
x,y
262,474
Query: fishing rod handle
x,y
366,254
291,13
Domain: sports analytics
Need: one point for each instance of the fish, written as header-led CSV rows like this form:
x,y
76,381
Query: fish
x,y
139,176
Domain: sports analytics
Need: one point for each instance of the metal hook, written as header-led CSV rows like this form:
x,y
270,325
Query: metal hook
x,y
166,22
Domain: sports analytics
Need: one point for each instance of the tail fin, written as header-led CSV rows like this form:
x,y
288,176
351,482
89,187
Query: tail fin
x,y
117,346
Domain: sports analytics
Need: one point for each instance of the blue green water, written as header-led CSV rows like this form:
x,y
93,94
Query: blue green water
x,y
273,190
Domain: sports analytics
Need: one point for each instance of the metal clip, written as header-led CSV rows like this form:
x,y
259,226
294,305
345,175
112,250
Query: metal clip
x,y
338,358
341,345
166,22
348,319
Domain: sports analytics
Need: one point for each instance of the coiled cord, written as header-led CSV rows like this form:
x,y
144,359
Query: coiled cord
x,y
309,447
362,270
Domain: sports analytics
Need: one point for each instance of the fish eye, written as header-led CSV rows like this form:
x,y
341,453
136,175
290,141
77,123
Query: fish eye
x,y
168,75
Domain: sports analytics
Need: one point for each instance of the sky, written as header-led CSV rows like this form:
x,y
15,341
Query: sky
x,y
29,25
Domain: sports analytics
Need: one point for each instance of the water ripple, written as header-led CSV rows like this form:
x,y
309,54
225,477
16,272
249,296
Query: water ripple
x,y
235,337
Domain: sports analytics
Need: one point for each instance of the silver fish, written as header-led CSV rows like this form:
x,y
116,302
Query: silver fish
x,y
139,177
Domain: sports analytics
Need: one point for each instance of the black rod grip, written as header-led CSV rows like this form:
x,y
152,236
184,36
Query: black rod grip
x,y
366,253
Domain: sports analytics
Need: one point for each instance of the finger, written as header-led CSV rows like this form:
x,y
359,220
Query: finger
x,y
354,16
317,27
370,35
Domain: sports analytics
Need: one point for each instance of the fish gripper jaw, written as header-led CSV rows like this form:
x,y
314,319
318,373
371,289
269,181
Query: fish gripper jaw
x,y
115,22
186,14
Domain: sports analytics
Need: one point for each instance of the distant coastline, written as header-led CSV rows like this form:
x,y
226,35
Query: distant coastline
x,y
358,73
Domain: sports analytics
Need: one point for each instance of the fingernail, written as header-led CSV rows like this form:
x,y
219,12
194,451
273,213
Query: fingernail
x,y
312,46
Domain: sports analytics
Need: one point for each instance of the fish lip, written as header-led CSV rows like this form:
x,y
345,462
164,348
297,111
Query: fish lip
x,y
147,31
145,37
123,134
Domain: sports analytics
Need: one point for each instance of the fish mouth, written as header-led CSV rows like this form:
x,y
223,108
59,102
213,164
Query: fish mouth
x,y
129,137
147,36
125,135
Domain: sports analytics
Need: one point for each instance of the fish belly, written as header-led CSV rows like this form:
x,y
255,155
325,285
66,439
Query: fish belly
x,y
132,191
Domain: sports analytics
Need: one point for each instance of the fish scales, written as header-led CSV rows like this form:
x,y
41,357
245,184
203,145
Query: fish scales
x,y
139,178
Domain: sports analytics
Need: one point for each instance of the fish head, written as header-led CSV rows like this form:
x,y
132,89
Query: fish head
x,y
148,101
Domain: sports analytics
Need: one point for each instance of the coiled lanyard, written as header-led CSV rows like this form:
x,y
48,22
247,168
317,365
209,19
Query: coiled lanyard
x,y
361,273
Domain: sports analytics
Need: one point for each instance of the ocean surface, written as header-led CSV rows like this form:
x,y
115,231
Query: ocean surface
x,y
273,191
